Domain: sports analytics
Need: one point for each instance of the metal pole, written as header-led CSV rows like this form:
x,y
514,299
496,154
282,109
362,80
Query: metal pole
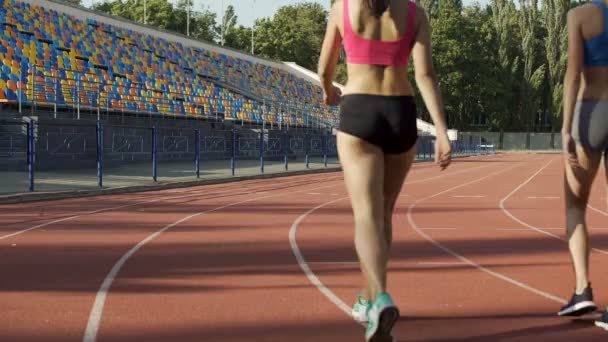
x,y
306,150
56,84
253,28
154,154
78,95
197,151
145,12
262,151
20,86
31,152
188,19
286,150
99,154
223,23
233,159
325,149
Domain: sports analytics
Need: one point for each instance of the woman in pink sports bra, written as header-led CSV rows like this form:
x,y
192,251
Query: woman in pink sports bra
x,y
377,134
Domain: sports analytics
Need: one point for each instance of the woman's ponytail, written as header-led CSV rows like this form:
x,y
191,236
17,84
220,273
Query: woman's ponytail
x,y
378,7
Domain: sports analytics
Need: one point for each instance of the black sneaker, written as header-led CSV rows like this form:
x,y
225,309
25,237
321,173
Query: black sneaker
x,y
602,322
580,304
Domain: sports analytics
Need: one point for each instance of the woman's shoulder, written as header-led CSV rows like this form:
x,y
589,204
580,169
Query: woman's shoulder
x,y
582,11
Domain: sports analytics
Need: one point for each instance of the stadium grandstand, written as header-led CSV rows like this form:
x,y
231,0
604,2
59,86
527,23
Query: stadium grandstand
x,y
61,57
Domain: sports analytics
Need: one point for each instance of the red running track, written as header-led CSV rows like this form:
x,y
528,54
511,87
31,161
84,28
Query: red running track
x,y
478,256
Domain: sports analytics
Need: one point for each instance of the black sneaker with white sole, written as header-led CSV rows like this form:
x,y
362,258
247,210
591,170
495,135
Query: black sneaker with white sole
x,y
580,304
602,322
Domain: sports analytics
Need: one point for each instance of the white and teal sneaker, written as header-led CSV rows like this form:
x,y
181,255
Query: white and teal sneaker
x,y
382,317
360,310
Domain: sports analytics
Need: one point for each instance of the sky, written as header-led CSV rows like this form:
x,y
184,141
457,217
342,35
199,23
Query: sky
x,y
245,9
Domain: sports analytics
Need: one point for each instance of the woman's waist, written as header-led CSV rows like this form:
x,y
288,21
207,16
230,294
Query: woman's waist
x,y
382,88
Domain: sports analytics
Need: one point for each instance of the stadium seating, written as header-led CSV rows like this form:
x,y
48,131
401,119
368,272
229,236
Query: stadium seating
x,y
57,59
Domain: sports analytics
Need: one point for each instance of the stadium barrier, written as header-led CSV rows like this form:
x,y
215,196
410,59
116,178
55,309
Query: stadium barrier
x,y
87,149
514,141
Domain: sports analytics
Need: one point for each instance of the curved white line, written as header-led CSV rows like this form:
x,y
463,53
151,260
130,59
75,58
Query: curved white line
x,y
467,260
100,298
78,215
534,228
304,264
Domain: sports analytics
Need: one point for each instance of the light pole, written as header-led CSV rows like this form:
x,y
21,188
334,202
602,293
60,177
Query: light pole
x,y
223,23
145,12
188,19
253,27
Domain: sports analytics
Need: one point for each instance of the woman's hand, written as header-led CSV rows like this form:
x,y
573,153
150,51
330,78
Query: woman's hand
x,y
569,149
332,96
443,151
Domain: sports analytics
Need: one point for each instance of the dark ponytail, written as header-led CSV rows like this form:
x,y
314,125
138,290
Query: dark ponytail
x,y
378,7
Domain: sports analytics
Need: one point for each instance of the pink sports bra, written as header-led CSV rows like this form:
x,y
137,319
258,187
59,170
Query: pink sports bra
x,y
368,51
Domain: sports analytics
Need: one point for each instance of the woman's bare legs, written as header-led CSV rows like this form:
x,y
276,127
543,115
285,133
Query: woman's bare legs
x,y
363,166
577,184
374,181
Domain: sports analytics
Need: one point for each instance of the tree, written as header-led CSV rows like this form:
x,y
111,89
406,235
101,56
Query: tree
x,y
294,34
556,43
533,71
227,26
202,23
239,38
159,12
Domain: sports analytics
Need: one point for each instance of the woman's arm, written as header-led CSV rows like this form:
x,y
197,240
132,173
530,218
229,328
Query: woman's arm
x,y
572,80
330,52
572,83
426,79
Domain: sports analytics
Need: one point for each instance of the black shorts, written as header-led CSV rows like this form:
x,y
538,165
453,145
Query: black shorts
x,y
388,122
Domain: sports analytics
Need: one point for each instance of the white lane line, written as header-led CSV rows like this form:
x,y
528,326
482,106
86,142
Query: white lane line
x,y
468,196
304,265
100,298
599,211
544,197
439,263
97,309
190,194
232,192
438,228
333,263
467,260
529,226
523,229
86,213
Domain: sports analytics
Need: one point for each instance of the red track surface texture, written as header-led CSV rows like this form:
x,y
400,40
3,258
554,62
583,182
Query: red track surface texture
x,y
478,256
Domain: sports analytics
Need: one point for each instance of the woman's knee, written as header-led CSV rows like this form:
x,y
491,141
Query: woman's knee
x,y
369,222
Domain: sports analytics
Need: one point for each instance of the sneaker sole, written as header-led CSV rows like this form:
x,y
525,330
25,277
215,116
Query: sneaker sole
x,y
357,317
388,319
602,325
578,309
